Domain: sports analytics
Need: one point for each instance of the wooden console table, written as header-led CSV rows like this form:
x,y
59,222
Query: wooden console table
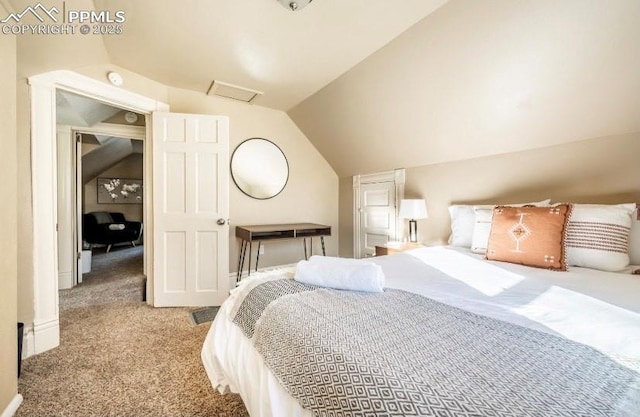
x,y
250,234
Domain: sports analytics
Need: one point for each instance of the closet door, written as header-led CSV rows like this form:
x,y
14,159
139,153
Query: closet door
x,y
378,216
375,210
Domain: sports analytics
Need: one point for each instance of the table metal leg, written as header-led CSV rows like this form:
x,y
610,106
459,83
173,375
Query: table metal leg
x,y
249,268
241,256
324,253
311,246
258,256
304,243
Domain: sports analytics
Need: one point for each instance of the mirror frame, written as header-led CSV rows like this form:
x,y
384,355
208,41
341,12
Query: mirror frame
x,y
285,160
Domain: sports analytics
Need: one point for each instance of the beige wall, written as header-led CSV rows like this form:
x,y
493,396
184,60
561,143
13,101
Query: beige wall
x,y
130,167
8,214
36,55
601,170
311,195
478,78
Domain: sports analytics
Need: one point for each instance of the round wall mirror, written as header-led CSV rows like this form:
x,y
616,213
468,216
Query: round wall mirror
x,y
259,168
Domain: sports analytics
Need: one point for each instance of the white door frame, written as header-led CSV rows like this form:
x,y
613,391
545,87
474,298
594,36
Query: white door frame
x,y
45,333
398,178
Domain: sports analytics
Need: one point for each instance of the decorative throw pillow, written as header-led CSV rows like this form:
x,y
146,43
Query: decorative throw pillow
x,y
462,220
482,224
634,237
531,236
598,236
102,217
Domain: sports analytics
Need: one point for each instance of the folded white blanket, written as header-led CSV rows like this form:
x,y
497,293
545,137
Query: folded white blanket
x,y
341,274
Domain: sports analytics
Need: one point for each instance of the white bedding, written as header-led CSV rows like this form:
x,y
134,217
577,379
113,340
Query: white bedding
x,y
600,309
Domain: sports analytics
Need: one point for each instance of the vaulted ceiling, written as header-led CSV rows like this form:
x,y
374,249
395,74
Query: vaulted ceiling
x,y
257,44
379,84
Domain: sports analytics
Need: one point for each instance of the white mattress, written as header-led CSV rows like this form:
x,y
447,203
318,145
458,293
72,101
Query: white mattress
x,y
599,309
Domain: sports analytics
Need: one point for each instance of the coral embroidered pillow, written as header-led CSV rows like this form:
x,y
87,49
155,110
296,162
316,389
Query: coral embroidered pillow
x,y
482,224
530,236
598,236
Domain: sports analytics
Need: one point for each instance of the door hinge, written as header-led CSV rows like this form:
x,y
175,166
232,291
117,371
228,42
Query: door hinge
x,y
79,255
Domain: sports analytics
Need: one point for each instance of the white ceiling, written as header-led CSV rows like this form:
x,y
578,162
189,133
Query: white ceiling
x,y
256,44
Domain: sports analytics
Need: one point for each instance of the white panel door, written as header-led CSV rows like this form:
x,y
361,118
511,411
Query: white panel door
x,y
377,215
190,209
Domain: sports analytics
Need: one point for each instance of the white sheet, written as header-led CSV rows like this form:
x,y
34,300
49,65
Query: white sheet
x,y
600,309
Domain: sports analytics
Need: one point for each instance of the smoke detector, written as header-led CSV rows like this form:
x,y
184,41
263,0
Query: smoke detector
x,y
130,117
115,78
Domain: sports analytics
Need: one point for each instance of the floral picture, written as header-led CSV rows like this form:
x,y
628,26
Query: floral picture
x,y
119,191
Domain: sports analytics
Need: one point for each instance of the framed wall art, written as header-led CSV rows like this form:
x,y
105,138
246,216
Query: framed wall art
x,y
119,191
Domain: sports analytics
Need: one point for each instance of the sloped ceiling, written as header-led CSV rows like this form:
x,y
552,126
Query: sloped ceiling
x,y
256,44
426,81
111,151
75,110
478,78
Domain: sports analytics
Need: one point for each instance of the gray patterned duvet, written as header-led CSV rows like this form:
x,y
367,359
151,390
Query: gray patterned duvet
x,y
342,353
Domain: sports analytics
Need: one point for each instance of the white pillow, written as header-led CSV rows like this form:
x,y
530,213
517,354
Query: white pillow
x,y
462,219
597,236
482,224
634,238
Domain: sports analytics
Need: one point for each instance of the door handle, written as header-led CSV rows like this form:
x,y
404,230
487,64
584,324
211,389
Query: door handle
x,y
221,222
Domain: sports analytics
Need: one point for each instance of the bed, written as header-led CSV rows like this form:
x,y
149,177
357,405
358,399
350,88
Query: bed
x,y
490,338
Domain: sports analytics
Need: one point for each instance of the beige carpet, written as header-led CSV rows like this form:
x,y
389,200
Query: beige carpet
x,y
122,358
116,276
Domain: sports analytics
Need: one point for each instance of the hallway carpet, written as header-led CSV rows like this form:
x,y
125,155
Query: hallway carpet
x,y
120,357
116,276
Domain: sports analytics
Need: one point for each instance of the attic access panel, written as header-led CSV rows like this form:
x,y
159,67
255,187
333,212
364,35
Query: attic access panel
x,y
220,89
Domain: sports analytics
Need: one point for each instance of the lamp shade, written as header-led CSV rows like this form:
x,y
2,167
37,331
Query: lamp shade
x,y
413,209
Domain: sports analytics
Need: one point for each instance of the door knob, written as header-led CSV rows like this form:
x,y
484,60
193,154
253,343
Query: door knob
x,y
222,222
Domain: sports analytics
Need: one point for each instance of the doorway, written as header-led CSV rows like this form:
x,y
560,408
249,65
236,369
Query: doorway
x,y
92,154
182,150
44,333
99,148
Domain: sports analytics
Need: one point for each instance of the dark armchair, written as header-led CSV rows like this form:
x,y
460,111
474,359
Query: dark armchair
x,y
101,227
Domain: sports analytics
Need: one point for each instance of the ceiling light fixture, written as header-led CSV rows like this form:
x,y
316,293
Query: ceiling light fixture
x,y
294,4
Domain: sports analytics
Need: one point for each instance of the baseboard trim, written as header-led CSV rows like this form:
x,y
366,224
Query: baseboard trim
x,y
28,348
46,335
65,280
12,407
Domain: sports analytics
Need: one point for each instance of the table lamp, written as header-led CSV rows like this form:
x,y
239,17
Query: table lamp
x,y
413,209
